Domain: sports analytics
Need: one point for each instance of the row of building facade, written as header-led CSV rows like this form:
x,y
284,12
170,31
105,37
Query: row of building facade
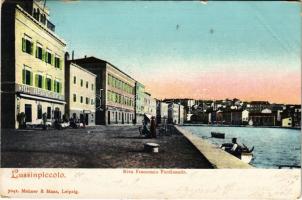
x,y
236,112
38,76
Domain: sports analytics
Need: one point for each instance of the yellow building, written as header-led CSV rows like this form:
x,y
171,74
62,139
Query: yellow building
x,y
115,92
32,77
287,122
80,93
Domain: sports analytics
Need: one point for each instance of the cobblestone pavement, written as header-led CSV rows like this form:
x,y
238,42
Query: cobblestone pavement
x,y
96,147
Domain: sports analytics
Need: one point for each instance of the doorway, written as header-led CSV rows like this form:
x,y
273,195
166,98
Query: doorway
x,y
28,113
57,114
86,119
108,117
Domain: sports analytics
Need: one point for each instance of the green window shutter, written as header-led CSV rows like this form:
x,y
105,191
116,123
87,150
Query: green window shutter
x,y
43,55
31,48
60,88
23,45
53,59
36,51
36,80
51,82
61,63
31,78
23,76
43,84
55,86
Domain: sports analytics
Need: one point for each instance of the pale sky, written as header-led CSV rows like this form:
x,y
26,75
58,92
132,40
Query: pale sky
x,y
248,50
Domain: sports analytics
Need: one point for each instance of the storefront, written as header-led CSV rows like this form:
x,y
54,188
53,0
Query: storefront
x,y
34,102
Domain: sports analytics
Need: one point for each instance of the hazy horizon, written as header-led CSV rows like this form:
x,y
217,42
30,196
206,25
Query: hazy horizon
x,y
245,50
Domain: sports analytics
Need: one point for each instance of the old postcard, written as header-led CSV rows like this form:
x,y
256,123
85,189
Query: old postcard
x,y
150,99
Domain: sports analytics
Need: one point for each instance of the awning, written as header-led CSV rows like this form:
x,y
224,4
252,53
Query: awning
x,y
148,116
42,98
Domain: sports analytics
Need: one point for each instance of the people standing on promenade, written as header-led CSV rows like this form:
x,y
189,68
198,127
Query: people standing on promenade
x,y
153,128
145,131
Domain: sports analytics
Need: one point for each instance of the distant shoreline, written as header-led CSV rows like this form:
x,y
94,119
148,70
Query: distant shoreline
x,y
247,126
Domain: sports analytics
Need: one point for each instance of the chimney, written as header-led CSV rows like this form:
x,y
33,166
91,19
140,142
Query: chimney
x,y
72,55
85,56
66,56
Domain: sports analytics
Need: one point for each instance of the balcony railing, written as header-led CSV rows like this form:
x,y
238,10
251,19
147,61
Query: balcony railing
x,y
50,26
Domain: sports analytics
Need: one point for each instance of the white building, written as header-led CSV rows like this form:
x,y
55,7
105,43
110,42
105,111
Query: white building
x,y
287,122
161,112
175,113
149,105
245,116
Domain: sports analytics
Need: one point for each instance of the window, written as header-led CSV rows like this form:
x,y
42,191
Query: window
x,y
27,77
36,14
48,84
39,113
87,100
114,82
81,99
43,19
108,96
92,87
48,57
39,52
39,81
122,99
81,82
48,112
116,98
74,98
57,62
109,79
57,86
87,84
27,46
74,80
92,102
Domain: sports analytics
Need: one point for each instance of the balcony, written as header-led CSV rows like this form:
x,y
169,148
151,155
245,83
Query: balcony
x,y
50,26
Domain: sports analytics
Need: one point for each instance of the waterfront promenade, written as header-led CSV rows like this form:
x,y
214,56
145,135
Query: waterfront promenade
x,y
96,147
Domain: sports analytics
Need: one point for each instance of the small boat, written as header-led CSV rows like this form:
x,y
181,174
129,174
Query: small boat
x,y
243,153
246,157
218,135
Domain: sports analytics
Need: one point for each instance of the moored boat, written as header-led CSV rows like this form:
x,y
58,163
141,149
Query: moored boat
x,y
246,157
241,152
218,135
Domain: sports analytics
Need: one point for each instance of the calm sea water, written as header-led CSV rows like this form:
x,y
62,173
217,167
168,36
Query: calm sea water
x,y
273,146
